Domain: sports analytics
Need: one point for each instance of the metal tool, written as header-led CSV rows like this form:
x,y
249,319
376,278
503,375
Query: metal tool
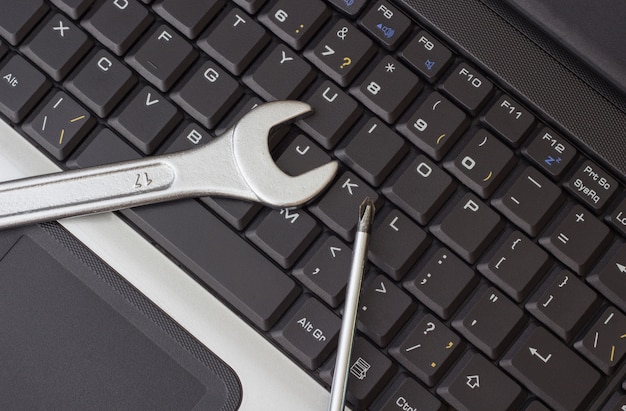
x,y
236,164
348,323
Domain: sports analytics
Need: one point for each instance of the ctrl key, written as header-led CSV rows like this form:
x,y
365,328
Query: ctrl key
x,y
407,394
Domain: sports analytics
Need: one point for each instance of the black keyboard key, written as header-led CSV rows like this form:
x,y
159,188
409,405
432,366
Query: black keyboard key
x,y
551,152
350,7
516,266
235,41
468,87
427,349
190,17
342,52
618,217
546,366
146,120
482,164
489,321
334,113
563,304
104,148
118,24
251,6
21,87
388,89
162,57
443,283
427,55
57,47
610,277
73,8
192,93
237,213
219,257
282,75
531,201
301,155
284,234
435,126
468,228
59,125
509,119
578,239
19,18
476,384
309,332
325,270
594,186
407,394
373,152
295,22
604,343
396,243
383,309
386,23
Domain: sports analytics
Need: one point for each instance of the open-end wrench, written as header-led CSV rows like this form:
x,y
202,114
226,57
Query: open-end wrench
x,y
236,164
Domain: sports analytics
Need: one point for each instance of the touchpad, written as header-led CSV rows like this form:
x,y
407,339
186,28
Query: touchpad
x,y
64,346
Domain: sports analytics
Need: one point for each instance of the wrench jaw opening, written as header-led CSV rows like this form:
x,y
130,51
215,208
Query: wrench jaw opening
x,y
272,186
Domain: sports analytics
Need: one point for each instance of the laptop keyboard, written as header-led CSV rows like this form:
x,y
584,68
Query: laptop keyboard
x,y
497,260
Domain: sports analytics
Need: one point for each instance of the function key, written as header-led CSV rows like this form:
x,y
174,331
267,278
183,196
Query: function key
x,y
73,8
386,23
551,152
350,7
21,87
19,18
295,21
190,17
468,87
618,217
509,119
592,185
427,55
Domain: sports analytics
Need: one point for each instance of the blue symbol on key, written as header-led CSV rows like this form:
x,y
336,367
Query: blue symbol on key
x,y
551,160
429,64
387,31
349,2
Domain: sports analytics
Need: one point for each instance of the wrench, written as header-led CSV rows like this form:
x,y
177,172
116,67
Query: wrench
x,y
236,164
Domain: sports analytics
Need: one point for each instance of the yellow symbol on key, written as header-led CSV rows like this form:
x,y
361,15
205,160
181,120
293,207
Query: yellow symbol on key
x,y
433,364
450,344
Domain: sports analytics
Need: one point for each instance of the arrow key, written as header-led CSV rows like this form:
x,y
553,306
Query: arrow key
x,y
610,280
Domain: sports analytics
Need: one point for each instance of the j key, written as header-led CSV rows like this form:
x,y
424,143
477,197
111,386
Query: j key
x,y
468,87
482,164
546,366
251,6
605,342
219,257
295,21
592,185
73,8
351,8
468,228
427,349
282,75
551,152
490,321
426,178
435,126
563,303
334,113
427,55
117,24
388,89
610,278
207,80
104,148
397,242
235,41
21,87
386,23
284,234
309,332
57,47
301,155
618,217
336,207
373,151
59,125
476,384
516,266
509,119
189,17
443,283
342,52
101,83
325,270
20,18
369,372
530,201
162,57
146,119
406,393
578,239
